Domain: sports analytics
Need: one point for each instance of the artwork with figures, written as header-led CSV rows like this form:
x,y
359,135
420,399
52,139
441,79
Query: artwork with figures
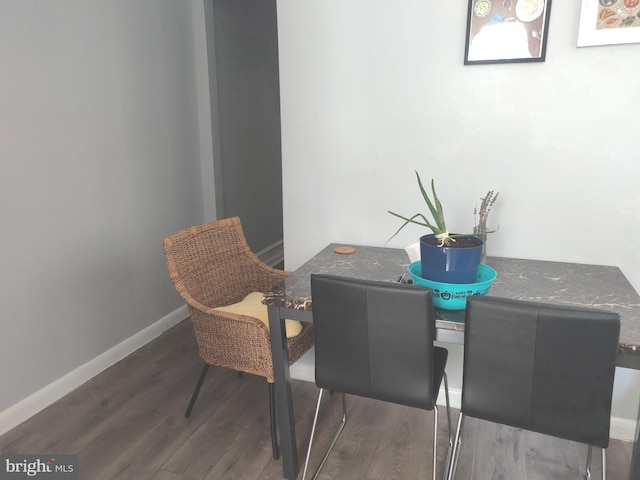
x,y
500,31
609,22
618,14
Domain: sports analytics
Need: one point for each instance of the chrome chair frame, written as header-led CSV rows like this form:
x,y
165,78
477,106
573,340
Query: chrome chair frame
x,y
344,421
458,441
536,340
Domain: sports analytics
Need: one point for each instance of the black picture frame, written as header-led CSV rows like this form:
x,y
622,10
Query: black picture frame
x,y
506,31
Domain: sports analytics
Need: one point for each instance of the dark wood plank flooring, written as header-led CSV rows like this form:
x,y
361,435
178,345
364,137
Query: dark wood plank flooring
x,y
128,423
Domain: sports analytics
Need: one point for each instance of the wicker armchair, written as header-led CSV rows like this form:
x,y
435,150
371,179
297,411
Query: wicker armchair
x,y
212,266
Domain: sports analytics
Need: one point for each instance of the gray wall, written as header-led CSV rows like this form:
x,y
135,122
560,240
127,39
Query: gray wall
x,y
101,157
247,111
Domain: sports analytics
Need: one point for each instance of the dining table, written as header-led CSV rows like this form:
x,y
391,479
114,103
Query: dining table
x,y
565,283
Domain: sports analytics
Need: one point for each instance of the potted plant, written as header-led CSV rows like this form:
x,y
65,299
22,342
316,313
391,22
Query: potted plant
x,y
446,257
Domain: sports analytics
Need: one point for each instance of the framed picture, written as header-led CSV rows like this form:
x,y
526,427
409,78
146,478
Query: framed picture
x,y
506,31
609,22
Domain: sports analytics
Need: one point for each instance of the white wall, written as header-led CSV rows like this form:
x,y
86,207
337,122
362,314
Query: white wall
x,y
100,160
372,90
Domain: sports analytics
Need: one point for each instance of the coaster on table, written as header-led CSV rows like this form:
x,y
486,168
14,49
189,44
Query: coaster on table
x,y
344,250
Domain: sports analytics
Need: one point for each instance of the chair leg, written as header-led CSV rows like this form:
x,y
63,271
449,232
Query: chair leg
x,y
435,432
272,418
456,449
435,440
587,474
335,436
272,409
450,447
197,390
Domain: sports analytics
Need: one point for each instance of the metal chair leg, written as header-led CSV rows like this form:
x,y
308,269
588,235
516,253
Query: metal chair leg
x,y
335,436
456,449
272,418
197,390
435,440
450,448
587,474
458,441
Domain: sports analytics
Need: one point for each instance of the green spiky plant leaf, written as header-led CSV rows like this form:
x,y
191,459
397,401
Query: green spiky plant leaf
x,y
437,223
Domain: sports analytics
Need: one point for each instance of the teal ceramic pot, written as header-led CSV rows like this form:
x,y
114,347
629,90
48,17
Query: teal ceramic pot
x,y
450,264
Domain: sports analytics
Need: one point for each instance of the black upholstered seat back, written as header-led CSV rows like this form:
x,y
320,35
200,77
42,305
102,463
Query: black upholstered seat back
x,y
375,340
544,368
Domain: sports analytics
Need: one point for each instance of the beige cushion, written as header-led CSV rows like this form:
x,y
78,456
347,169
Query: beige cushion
x,y
252,306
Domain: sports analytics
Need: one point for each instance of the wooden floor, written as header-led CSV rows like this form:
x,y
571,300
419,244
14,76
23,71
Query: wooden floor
x,y
128,423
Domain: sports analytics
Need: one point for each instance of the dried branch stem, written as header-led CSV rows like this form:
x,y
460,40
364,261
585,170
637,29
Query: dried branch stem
x,y
481,215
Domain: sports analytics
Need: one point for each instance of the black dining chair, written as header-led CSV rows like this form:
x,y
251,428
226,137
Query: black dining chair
x,y
375,340
539,367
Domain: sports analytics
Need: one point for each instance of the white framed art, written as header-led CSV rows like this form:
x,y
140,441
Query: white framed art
x,y
609,22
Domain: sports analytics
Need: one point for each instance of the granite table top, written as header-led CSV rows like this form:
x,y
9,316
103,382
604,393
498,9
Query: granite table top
x,y
596,286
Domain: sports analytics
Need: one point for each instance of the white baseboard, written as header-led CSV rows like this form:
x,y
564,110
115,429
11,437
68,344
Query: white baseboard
x,y
455,398
25,409
621,428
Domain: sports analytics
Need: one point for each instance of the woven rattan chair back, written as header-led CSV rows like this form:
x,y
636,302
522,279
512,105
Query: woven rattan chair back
x,y
212,264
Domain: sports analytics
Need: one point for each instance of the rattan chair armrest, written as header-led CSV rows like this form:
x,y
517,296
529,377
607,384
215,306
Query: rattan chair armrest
x,y
268,277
